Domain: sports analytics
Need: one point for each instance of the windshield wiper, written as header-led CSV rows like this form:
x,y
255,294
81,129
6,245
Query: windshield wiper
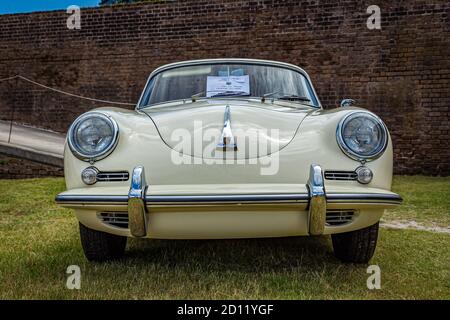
x,y
195,96
220,94
294,97
265,95
285,96
229,93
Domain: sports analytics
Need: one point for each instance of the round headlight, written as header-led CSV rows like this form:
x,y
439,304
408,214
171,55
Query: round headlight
x,y
93,136
362,136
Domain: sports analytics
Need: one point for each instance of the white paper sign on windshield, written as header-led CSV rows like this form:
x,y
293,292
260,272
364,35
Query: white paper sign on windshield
x,y
227,85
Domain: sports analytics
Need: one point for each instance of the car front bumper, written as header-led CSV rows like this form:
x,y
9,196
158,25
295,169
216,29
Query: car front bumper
x,y
231,215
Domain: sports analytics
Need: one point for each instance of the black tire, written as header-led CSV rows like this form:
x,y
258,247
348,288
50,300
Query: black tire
x,y
356,246
101,246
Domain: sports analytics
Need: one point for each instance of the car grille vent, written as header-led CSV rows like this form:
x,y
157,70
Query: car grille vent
x,y
339,217
117,219
113,176
340,175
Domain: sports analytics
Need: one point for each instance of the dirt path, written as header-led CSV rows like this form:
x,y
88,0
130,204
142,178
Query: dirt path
x,y
414,226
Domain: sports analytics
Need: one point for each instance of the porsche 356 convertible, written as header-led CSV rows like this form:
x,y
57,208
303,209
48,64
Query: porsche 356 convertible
x,y
229,148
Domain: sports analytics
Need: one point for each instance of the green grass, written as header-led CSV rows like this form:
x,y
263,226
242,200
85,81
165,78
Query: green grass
x,y
38,240
426,200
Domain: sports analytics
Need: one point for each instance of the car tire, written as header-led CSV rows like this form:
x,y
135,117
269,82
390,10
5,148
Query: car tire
x,y
356,246
101,246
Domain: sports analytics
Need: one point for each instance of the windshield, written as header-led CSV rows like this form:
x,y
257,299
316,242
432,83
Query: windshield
x,y
228,80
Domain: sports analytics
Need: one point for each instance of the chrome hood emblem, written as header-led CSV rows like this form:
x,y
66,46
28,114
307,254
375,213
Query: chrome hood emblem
x,y
227,140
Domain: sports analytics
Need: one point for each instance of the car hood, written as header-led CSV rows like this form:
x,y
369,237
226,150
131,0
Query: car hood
x,y
258,129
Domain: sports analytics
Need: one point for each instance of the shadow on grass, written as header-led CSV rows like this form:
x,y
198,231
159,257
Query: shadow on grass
x,y
242,268
244,255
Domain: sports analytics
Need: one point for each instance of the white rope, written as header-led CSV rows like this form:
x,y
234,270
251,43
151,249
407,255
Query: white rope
x,y
10,78
66,93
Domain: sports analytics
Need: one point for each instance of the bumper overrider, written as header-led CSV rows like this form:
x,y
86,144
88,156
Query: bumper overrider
x,y
316,201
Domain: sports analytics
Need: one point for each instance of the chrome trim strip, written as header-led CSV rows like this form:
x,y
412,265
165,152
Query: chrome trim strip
x,y
187,63
232,198
137,219
257,198
340,175
91,199
364,197
226,141
317,202
111,176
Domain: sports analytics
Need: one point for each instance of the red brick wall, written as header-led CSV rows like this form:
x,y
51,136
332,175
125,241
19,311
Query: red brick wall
x,y
13,168
401,72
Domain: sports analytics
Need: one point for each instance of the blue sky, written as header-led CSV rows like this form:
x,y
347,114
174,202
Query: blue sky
x,y
20,6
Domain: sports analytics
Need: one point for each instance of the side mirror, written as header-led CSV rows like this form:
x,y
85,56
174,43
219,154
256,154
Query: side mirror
x,y
347,103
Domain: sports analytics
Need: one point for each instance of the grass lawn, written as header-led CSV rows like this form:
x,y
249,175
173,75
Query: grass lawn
x,y
39,240
427,200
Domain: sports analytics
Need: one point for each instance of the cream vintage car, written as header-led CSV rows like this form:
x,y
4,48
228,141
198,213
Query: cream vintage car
x,y
228,148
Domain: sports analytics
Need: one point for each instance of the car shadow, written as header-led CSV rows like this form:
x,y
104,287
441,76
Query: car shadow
x,y
246,255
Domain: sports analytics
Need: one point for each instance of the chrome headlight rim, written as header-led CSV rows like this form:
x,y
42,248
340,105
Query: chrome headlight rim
x,y
348,151
101,155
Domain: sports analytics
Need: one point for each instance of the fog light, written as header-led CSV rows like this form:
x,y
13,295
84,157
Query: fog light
x,y
89,175
364,175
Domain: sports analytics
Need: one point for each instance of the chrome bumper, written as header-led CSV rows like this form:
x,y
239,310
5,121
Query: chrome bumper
x,y
317,199
138,202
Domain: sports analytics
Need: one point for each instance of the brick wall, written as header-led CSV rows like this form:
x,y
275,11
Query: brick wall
x,y
401,72
13,168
